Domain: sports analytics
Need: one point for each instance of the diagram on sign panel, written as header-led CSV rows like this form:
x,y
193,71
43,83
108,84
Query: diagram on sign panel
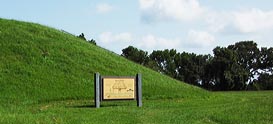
x,y
119,86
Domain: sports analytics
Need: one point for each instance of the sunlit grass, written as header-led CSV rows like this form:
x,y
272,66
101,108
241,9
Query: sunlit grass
x,y
46,76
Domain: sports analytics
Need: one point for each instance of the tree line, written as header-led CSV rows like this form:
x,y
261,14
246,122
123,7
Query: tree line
x,y
241,66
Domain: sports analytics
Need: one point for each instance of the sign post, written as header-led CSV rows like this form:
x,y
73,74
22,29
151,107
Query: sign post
x,y
139,90
109,88
97,90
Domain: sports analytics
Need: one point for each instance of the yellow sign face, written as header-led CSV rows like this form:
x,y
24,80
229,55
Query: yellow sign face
x,y
118,88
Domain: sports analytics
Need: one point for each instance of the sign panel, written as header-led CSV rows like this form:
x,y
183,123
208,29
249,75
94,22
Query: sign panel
x,y
116,88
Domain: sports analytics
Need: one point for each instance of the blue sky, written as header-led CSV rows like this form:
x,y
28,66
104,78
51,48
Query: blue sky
x,y
186,25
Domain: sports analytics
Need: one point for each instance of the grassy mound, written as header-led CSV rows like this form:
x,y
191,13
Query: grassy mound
x,y
38,63
46,77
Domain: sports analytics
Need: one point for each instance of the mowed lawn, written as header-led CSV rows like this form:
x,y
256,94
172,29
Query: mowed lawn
x,y
219,108
46,77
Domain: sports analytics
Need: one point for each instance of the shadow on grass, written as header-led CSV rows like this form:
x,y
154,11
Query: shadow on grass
x,y
93,106
82,106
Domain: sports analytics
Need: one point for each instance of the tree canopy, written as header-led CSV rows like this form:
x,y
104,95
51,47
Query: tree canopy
x,y
241,66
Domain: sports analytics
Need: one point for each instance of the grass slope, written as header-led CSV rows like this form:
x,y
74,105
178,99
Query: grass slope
x,y
46,77
38,63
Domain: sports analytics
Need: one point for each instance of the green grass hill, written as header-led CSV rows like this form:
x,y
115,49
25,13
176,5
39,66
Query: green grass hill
x,y
39,63
46,77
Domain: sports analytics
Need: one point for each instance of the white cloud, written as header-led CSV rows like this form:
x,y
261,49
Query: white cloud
x,y
109,37
149,42
253,20
105,37
252,24
146,4
180,10
152,42
125,37
200,38
247,21
104,8
229,22
217,21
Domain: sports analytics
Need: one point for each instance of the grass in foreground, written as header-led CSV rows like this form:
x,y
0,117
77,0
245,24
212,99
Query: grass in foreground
x,y
219,108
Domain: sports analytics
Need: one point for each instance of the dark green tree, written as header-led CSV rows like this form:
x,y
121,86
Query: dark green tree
x,y
224,73
265,73
82,36
165,61
248,56
136,55
92,41
190,67
266,60
264,82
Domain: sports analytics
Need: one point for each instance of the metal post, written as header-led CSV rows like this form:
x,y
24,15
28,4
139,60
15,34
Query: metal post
x,y
97,89
139,90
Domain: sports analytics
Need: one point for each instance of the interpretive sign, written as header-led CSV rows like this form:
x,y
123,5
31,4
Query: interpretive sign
x,y
109,88
117,88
